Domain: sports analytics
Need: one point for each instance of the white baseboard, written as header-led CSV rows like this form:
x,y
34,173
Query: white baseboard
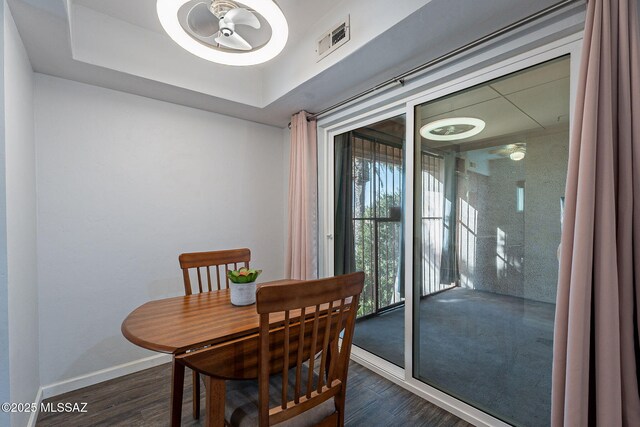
x,y
102,375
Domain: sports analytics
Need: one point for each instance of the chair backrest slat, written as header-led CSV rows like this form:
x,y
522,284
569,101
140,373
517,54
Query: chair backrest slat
x,y
199,280
300,358
285,364
325,346
314,339
334,348
197,260
263,360
316,312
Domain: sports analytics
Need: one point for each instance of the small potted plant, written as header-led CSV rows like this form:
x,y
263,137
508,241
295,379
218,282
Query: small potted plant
x,y
243,285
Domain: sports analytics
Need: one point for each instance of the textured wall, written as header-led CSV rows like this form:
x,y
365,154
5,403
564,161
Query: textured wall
x,y
547,159
473,231
507,226
500,249
491,231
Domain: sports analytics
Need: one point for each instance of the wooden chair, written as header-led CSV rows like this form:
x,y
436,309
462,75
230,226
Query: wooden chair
x,y
223,261
302,368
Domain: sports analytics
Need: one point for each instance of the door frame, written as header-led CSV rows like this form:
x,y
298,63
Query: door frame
x,y
370,111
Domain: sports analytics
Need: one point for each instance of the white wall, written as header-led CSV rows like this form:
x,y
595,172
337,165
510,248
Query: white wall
x,y
368,19
125,184
4,303
21,221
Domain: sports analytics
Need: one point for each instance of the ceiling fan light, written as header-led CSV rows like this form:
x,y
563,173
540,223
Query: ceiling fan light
x,y
517,155
168,15
460,128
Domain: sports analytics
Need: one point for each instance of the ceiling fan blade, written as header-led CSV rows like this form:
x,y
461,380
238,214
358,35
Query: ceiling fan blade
x,y
240,16
234,41
201,21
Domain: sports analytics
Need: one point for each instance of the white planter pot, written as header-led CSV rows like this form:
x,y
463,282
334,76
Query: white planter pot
x,y
243,293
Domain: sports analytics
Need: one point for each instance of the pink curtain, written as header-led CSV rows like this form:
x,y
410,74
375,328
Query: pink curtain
x,y
596,353
302,253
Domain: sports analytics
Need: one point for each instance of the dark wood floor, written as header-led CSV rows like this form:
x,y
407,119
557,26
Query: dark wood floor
x,y
142,399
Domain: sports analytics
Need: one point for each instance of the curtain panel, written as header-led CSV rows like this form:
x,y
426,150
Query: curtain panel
x,y
302,242
596,351
344,256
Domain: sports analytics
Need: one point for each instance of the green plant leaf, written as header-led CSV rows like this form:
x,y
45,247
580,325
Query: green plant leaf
x,y
247,276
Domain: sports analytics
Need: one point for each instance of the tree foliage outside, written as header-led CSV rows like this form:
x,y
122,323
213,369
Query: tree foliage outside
x,y
382,216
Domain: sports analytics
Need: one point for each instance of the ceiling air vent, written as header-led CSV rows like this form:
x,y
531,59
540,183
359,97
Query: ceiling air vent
x,y
333,39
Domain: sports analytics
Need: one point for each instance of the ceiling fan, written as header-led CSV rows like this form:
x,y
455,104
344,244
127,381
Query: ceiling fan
x,y
515,151
220,18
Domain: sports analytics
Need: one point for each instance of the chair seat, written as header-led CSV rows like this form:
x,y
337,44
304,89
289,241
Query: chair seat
x,y
241,407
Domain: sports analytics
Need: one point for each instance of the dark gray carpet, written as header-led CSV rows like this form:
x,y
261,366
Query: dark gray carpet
x,y
492,351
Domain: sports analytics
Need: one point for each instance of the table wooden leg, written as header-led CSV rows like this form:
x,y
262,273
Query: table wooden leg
x,y
177,381
215,391
196,395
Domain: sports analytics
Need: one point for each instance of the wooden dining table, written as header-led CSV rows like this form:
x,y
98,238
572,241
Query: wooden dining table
x,y
200,325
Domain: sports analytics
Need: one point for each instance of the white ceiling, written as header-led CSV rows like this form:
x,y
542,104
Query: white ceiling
x,y
134,12
119,44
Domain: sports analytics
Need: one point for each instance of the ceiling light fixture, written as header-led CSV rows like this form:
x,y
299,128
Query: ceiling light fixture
x,y
168,15
452,129
517,155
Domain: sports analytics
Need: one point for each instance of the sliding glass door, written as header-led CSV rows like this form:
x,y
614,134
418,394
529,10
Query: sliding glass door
x,y
489,178
368,200
487,181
